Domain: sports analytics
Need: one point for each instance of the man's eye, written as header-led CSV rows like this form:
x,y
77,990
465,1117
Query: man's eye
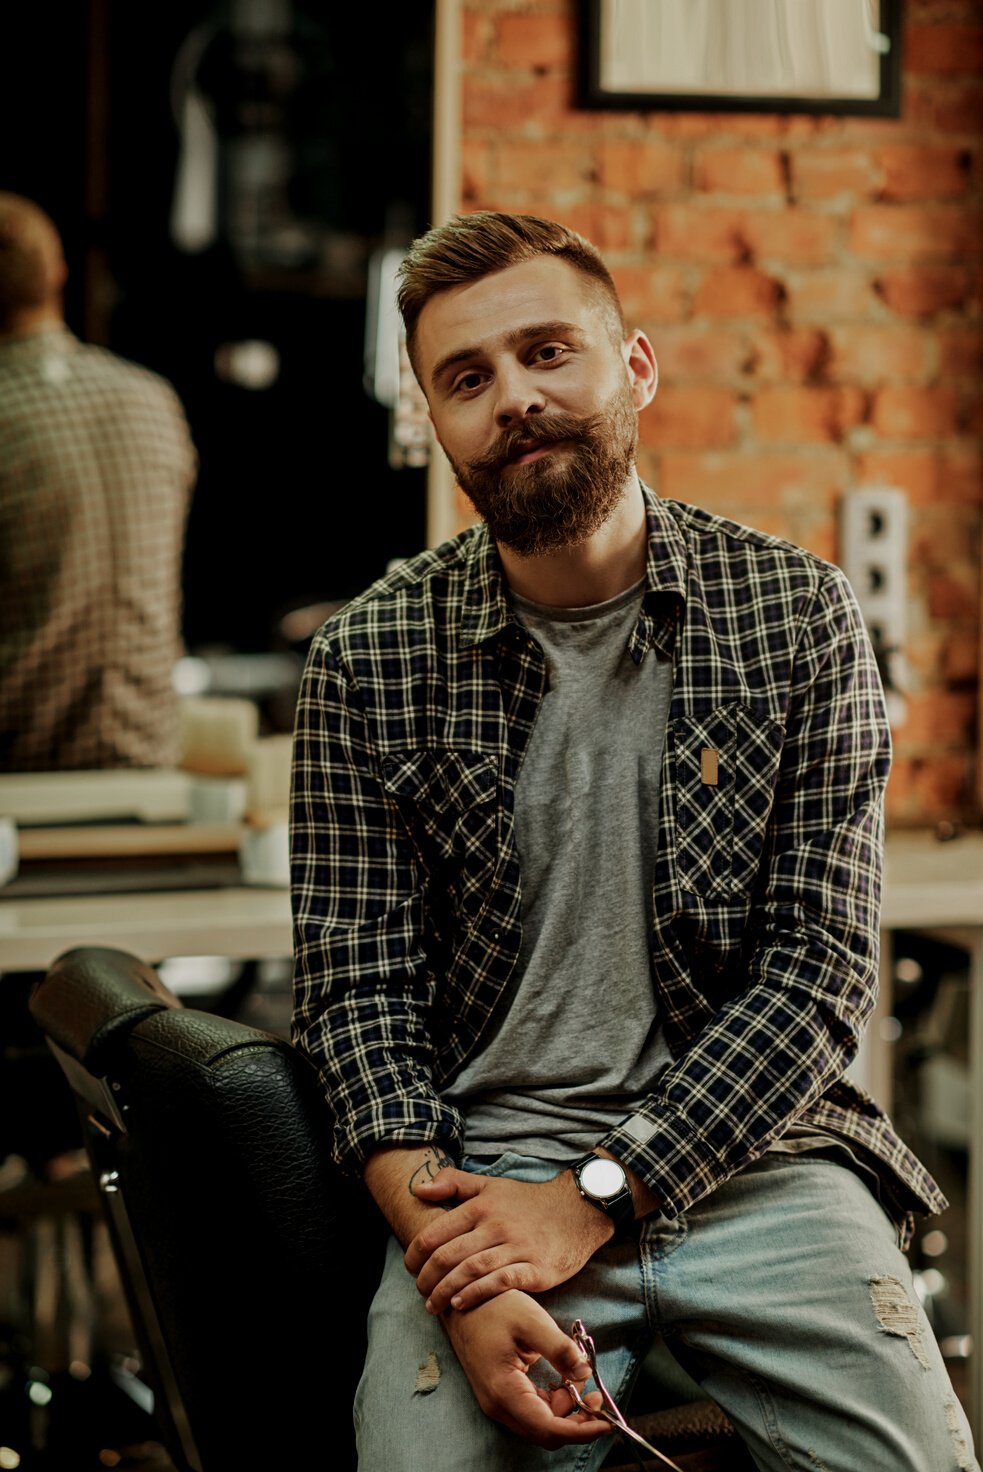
x,y
550,353
467,382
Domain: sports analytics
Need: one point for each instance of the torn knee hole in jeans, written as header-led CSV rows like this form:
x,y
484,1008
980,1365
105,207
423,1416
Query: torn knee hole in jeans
x,y
896,1314
427,1375
952,1420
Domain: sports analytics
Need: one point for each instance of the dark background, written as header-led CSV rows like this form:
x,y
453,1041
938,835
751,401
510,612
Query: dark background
x,y
296,502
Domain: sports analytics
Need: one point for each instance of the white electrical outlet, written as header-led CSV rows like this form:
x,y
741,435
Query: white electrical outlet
x,y
874,556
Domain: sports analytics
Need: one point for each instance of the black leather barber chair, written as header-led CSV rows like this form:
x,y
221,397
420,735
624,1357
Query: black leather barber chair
x,y
247,1263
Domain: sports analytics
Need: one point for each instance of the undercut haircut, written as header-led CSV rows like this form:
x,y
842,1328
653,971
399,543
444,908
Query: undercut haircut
x,y
469,247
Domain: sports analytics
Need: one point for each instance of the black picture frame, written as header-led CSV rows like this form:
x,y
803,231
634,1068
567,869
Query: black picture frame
x,y
594,93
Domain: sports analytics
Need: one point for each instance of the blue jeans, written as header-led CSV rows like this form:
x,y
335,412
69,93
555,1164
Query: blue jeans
x,y
785,1296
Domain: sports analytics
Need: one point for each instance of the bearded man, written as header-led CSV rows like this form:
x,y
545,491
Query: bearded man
x,y
586,847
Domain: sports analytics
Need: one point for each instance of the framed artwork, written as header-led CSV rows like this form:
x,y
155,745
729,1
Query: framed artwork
x,y
819,56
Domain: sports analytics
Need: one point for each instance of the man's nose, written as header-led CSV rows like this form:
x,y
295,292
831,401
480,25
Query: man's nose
x,y
519,394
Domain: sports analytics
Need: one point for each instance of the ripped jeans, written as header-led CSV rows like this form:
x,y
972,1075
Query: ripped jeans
x,y
784,1295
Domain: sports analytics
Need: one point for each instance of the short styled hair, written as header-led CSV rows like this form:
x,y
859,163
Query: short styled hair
x,y
469,247
29,247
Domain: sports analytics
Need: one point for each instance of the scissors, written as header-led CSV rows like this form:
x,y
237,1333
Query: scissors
x,y
609,1411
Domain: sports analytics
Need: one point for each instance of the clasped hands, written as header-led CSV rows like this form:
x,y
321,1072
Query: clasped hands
x,y
503,1234
504,1240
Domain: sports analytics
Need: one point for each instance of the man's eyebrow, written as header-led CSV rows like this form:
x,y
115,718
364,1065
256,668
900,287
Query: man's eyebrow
x,y
513,339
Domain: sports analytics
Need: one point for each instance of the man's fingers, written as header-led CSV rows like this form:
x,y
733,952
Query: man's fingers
x,y
541,1416
454,1269
451,1227
562,1403
566,1356
468,1285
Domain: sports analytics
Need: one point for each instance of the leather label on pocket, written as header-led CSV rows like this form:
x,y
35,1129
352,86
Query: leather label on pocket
x,y
709,766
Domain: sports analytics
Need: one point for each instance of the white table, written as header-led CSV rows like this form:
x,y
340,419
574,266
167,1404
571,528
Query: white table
x,y
240,923
928,884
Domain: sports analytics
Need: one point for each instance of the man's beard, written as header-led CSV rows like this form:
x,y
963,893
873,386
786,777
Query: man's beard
x,y
559,500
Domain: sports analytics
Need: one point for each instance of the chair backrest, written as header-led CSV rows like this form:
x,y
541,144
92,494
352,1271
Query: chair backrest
x,y
247,1262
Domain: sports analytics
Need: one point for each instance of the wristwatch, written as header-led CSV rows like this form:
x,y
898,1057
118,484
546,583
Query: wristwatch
x,y
604,1184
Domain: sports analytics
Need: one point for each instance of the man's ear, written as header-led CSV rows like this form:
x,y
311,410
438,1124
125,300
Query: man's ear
x,y
57,272
643,370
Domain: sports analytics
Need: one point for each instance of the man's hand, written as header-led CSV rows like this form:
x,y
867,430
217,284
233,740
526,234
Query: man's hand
x,y
497,1343
505,1234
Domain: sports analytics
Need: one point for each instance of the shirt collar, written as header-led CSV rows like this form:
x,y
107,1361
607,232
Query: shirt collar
x,y
487,610
52,334
665,580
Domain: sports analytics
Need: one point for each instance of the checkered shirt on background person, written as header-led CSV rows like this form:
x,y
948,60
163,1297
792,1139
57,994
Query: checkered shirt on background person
x,y
97,467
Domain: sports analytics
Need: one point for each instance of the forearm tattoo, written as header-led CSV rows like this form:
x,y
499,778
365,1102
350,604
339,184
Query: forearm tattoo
x,y
435,1160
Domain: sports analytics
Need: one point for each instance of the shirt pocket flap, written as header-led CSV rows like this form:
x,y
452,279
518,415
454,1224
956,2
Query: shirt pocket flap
x,y
441,781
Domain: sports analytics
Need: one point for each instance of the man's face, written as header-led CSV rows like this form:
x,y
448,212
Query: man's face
x,y
533,398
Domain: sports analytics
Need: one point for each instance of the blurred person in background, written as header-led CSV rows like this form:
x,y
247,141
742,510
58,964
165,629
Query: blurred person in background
x,y
97,468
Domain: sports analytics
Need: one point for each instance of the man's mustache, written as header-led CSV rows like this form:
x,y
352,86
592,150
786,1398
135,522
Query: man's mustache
x,y
538,429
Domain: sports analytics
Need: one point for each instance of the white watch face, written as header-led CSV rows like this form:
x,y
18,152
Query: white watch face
x,y
602,1178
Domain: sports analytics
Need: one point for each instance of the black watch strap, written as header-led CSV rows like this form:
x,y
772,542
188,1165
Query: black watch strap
x,y
616,1203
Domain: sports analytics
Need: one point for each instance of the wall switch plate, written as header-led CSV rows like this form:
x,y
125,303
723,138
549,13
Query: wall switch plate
x,y
874,556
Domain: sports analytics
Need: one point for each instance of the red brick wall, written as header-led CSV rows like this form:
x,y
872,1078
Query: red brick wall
x,y
812,286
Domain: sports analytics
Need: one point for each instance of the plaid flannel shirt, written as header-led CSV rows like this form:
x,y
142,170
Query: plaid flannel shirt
x,y
97,468
414,712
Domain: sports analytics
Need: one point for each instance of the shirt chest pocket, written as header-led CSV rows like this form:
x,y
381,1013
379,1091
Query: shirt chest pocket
x,y
447,799
724,768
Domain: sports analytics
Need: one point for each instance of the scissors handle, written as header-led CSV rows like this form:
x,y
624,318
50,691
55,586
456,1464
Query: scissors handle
x,y
609,1411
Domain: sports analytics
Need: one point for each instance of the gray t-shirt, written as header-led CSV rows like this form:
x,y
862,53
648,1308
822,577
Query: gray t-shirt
x,y
579,1042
